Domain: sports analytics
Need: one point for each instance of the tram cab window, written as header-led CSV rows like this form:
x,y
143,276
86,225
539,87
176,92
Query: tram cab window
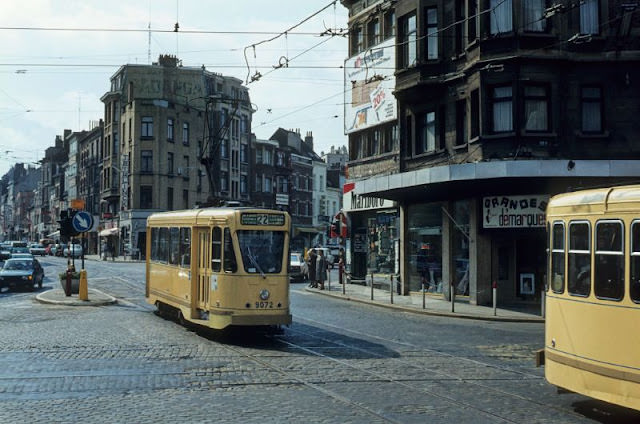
x,y
579,281
557,258
216,249
230,264
634,276
174,245
185,247
609,263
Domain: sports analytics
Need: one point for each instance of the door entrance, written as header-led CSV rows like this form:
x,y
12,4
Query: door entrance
x,y
203,268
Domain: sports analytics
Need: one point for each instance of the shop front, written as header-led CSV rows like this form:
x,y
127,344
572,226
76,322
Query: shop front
x,y
372,243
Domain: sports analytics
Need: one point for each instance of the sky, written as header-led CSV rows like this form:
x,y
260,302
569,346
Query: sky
x,y
56,58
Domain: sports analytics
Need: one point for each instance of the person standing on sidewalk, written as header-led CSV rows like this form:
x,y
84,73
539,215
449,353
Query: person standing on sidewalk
x,y
322,265
311,273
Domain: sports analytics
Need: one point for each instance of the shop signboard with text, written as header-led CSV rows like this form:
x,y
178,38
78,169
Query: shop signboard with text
x,y
526,211
353,202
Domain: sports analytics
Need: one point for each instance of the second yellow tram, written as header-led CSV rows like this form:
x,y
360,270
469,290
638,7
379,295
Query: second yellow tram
x,y
592,342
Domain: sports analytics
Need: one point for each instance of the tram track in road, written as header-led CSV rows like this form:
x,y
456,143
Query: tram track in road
x,y
406,383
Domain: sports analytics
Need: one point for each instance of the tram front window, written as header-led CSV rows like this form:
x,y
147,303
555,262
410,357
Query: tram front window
x,y
262,251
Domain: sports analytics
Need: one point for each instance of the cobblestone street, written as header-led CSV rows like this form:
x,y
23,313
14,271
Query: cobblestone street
x,y
339,362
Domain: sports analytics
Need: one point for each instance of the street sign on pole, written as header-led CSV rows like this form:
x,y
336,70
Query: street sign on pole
x,y
82,221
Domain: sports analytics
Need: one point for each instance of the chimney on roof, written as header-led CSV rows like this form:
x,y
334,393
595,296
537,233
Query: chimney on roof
x,y
309,139
168,61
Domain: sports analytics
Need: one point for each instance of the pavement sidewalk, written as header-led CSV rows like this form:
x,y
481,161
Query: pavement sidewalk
x,y
434,304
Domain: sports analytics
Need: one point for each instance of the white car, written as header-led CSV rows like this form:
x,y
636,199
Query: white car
x,y
76,250
37,249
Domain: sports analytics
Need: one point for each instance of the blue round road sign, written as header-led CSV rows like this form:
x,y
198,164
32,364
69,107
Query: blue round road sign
x,y
82,221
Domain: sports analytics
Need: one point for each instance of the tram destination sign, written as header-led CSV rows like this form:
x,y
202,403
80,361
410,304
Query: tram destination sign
x,y
261,219
514,211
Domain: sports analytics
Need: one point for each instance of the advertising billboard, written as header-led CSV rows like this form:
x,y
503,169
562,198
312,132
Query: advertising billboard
x,y
368,88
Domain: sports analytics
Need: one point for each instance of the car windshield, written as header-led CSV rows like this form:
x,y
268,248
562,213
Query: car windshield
x,y
261,251
18,265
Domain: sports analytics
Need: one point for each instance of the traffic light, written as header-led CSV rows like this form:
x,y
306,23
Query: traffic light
x,y
66,226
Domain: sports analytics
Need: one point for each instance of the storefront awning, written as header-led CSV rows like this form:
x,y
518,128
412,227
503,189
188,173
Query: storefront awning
x,y
109,232
54,235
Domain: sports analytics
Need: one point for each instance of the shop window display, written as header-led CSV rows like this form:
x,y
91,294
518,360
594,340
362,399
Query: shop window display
x,y
382,232
424,247
460,246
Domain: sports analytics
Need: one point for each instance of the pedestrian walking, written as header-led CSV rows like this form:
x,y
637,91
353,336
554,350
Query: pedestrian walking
x,y
322,265
312,268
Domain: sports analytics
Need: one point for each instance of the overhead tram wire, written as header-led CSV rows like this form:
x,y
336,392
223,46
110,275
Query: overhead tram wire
x,y
146,30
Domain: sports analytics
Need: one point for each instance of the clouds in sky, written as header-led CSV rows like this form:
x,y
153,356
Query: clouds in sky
x,y
51,80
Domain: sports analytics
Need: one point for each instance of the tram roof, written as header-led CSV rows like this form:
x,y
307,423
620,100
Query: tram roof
x,y
622,198
204,214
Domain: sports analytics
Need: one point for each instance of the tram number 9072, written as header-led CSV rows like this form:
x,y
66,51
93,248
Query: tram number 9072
x,y
264,305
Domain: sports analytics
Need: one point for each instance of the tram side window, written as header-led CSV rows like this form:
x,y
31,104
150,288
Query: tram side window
x,y
216,249
557,258
634,277
230,264
609,263
174,246
579,281
155,244
163,245
185,247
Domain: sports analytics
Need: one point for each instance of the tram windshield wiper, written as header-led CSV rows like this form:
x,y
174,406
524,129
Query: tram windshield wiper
x,y
253,260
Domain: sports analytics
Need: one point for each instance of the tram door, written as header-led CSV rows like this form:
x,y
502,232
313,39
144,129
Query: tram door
x,y
204,268
503,267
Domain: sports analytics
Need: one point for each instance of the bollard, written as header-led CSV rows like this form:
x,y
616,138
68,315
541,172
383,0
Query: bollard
x,y
67,288
342,280
494,289
329,279
372,286
424,295
391,287
452,294
83,290
542,305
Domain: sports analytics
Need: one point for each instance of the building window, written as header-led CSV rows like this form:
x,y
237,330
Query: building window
x,y
432,33
185,199
356,40
147,127
475,114
170,129
501,16
244,153
243,184
258,183
224,151
185,133
373,32
266,158
589,17
473,22
502,104
608,271
170,163
389,24
146,161
534,15
170,198
591,102
408,41
390,138
146,197
224,181
579,278
426,133
259,155
267,185
536,108
185,168
461,122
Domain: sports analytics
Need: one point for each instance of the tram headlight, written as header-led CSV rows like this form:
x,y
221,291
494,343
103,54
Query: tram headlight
x,y
264,294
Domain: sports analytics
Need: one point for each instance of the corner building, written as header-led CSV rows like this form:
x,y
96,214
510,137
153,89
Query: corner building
x,y
500,105
161,121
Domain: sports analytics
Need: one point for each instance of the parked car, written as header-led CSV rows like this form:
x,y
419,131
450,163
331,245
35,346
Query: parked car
x,y
74,250
22,255
5,253
37,249
21,272
297,267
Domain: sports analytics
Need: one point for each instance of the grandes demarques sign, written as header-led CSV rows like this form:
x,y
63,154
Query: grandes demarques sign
x,y
514,211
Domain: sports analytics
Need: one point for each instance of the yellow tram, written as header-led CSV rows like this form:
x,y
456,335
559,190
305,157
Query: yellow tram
x,y
220,267
592,337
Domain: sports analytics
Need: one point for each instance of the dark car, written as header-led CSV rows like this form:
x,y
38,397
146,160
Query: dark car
x,y
21,272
